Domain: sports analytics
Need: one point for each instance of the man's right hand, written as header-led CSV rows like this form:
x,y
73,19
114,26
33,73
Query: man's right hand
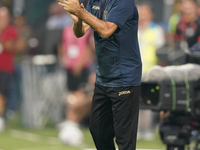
x,y
74,17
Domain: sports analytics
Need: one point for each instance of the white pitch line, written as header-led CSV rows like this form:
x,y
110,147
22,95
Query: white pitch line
x,y
33,137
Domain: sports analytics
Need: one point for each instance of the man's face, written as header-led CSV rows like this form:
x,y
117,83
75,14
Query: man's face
x,y
4,18
145,13
189,10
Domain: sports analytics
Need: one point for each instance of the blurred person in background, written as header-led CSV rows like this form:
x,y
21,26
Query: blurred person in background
x,y
174,20
57,20
24,32
76,56
188,28
151,37
8,38
21,49
187,31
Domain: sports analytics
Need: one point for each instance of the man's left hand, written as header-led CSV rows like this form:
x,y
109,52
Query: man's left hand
x,y
71,6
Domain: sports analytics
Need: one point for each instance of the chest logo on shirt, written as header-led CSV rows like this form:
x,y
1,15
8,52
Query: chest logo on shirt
x,y
96,7
105,14
124,92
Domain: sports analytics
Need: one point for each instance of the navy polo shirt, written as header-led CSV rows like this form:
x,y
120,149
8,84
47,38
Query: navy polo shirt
x,y
118,57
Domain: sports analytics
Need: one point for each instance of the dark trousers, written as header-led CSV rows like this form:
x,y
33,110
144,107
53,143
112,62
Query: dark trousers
x,y
115,114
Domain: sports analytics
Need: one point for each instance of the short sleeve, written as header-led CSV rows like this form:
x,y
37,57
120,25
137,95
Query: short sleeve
x,y
89,6
121,11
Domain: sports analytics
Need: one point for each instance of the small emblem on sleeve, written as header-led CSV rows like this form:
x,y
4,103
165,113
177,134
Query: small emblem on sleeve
x,y
124,92
105,14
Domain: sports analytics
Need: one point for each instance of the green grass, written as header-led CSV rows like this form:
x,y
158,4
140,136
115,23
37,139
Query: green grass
x,y
47,139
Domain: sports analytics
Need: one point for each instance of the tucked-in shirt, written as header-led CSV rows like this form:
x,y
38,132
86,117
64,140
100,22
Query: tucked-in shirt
x,y
118,57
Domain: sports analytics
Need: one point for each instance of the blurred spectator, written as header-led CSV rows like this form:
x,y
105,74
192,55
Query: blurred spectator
x,y
57,20
24,32
21,50
188,28
76,55
151,37
174,20
8,37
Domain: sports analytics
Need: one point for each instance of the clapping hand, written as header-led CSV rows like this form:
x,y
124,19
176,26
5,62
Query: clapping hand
x,y
72,7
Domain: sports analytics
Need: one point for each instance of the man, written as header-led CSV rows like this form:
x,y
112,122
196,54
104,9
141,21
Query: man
x,y
8,37
115,102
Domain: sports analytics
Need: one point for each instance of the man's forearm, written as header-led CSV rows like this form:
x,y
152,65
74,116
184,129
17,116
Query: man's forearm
x,y
104,28
100,26
78,29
